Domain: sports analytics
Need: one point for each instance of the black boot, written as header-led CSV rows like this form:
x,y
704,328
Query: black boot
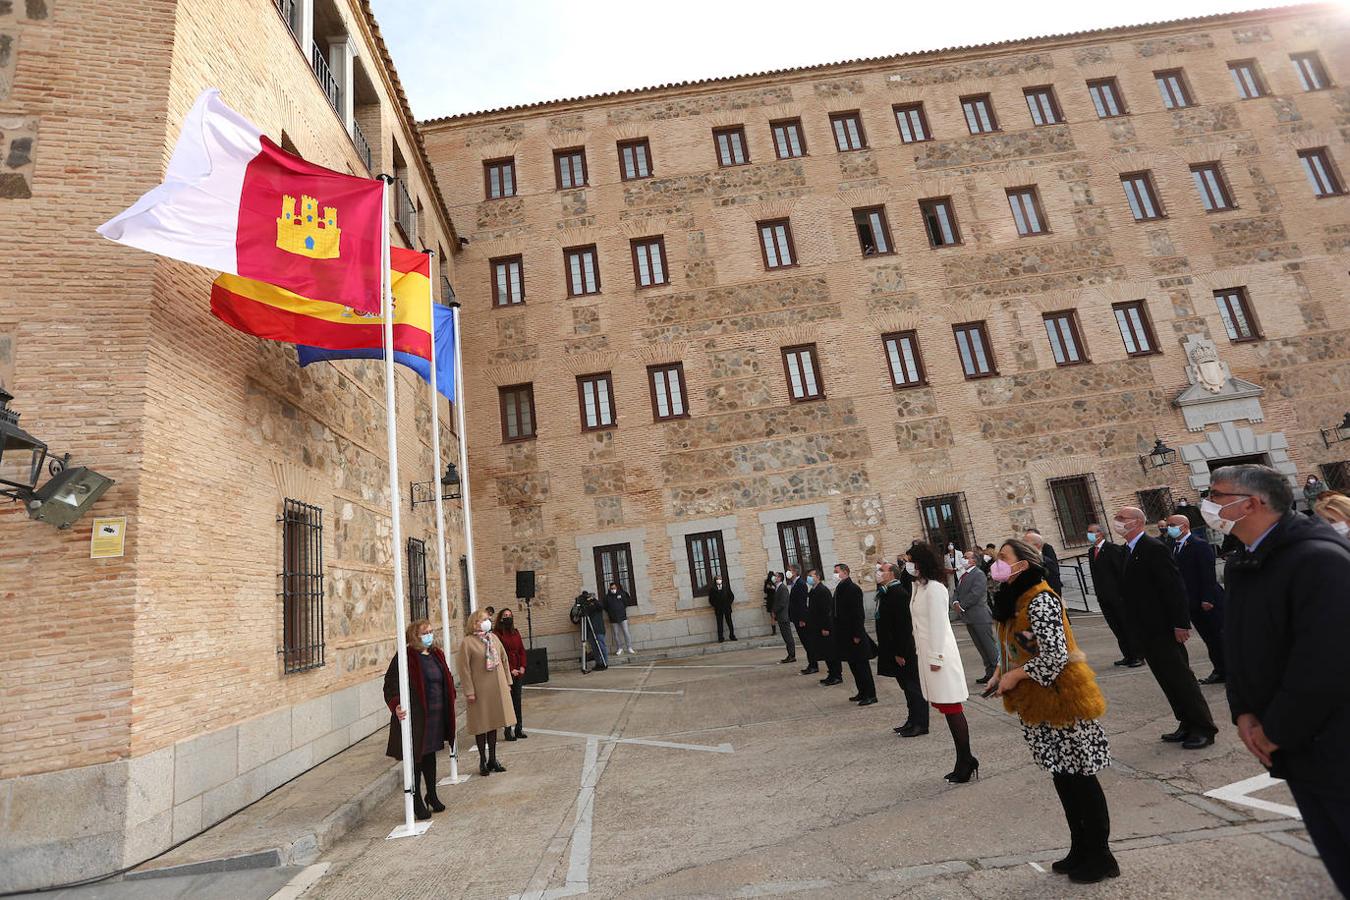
x,y
481,741
1069,800
428,769
492,763
520,732
508,734
1097,861
420,811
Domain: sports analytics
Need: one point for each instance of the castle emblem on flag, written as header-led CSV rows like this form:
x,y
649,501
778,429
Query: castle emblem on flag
x,y
307,233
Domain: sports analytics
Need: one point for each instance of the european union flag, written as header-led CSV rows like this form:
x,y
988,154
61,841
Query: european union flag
x,y
445,353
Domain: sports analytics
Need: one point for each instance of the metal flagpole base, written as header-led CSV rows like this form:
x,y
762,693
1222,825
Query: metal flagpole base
x,y
415,830
454,776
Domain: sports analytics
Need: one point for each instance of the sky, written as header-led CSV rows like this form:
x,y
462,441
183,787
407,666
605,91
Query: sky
x,y
459,56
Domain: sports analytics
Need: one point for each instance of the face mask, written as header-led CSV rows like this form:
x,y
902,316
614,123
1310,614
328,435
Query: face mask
x,y
1210,510
1342,528
835,579
1092,537
1000,571
506,622
788,576
1174,531
427,639
486,626
988,558
909,567
1119,527
810,581
719,582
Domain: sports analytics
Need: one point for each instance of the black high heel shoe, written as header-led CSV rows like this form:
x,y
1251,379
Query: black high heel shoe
x,y
964,771
483,769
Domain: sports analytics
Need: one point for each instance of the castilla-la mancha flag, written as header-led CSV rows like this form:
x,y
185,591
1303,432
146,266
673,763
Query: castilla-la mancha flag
x,y
234,201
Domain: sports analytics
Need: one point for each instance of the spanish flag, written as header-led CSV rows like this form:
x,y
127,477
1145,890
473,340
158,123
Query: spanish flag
x,y
277,314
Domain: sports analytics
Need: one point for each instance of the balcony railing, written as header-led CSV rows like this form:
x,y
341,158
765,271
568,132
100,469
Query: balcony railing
x,y
290,11
331,89
362,145
447,292
406,211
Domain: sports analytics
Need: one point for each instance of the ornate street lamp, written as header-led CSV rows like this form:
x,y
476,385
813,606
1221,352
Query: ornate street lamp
x,y
1161,455
1337,433
424,491
21,454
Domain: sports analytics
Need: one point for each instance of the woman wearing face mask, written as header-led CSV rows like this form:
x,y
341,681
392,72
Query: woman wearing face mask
x,y
515,664
485,670
1335,509
1312,489
941,676
1044,678
720,598
431,694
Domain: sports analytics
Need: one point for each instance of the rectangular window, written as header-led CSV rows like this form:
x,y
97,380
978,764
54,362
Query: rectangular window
x,y
596,395
775,243
972,343
1106,98
1321,172
1026,210
1172,86
788,142
848,131
417,579
1066,341
649,261
803,373
1247,77
946,520
302,590
1209,181
1336,475
912,122
499,177
1312,75
939,219
979,111
517,412
707,560
731,146
1077,505
614,565
1136,330
508,281
1236,311
902,354
570,168
874,235
797,540
1043,104
1142,197
635,159
1156,503
668,391
583,272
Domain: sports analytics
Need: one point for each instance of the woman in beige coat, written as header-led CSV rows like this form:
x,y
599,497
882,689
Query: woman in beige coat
x,y
940,672
485,676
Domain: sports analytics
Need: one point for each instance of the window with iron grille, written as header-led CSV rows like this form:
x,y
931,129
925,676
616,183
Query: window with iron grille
x,y
1026,209
302,588
635,159
1337,475
707,560
972,343
912,122
1106,98
874,234
1247,77
1172,86
1321,172
668,391
946,520
614,565
499,178
939,221
1043,104
902,355
569,166
803,373
731,146
1312,75
517,412
583,271
508,281
788,141
464,587
1136,330
979,110
775,244
417,580
801,549
596,396
1236,311
1156,504
1066,342
1213,188
848,131
649,261
1141,195
1077,505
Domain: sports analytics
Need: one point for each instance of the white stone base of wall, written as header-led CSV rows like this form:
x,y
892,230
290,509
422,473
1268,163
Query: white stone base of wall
x,y
59,827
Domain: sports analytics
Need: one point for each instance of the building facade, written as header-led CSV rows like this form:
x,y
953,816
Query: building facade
x,y
807,316
243,635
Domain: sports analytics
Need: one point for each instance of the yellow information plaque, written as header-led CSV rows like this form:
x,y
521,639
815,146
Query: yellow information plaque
x,y
108,538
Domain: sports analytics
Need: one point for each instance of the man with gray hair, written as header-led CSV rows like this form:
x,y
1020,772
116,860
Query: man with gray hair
x,y
1288,615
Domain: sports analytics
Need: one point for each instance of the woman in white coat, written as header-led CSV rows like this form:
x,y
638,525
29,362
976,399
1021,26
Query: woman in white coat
x,y
940,673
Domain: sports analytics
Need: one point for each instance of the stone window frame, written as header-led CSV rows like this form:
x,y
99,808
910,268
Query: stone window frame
x,y
1248,78
652,244
576,157
769,228
979,329
1312,72
915,359
972,105
803,353
522,392
908,112
634,146
1238,315
1133,329
1042,99
1063,330
505,169
1140,190
1080,510
795,124
928,209
1025,199
1102,89
1324,177
818,513
657,392
510,299
636,539
875,225
710,570
728,160
581,252
1174,88
839,122
1212,185
602,390
932,520
732,556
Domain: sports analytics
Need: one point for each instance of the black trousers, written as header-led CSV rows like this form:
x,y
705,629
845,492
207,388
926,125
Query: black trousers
x,y
916,707
517,688
808,645
1210,626
1327,819
834,663
723,614
862,675
1171,666
1115,620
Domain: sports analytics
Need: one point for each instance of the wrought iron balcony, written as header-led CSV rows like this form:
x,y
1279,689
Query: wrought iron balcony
x,y
290,11
362,145
447,292
331,89
406,211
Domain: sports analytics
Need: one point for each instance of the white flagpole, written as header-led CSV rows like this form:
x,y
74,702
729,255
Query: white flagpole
x,y
464,459
410,826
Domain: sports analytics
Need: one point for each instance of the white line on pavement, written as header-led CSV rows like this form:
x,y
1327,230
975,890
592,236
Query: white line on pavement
x,y
699,666
1037,867
540,687
302,882
645,742
1237,794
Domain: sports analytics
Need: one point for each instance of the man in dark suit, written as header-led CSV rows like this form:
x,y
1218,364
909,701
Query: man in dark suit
x,y
1049,558
1106,561
1195,559
781,597
819,624
851,635
797,593
1156,612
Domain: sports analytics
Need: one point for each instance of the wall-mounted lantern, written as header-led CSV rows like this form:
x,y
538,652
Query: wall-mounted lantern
x,y
425,491
1161,455
1337,433
65,497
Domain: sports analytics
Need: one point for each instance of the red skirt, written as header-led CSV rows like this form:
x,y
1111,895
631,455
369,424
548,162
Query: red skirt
x,y
947,709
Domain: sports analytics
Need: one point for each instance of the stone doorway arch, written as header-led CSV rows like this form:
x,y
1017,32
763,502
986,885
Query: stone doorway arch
x,y
1235,440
